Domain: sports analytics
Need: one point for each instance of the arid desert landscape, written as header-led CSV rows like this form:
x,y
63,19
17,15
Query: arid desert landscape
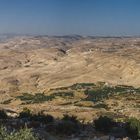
x,y
81,76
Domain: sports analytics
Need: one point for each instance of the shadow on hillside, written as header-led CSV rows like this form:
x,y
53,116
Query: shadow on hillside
x,y
70,125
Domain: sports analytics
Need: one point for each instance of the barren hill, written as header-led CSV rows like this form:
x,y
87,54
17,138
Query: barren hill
x,y
42,62
41,72
37,63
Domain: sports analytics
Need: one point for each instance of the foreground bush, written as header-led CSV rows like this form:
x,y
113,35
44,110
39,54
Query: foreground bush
x,y
103,124
22,134
68,125
26,113
133,128
70,118
66,128
3,114
42,118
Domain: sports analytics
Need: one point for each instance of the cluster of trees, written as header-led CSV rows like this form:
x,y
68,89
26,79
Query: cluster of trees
x,y
99,93
41,97
94,92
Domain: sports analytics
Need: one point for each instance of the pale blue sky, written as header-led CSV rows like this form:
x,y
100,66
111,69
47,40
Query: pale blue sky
x,y
61,17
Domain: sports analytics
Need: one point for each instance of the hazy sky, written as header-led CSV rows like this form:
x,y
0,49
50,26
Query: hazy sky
x,y
60,17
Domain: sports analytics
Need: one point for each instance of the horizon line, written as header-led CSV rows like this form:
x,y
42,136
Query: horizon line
x,y
63,35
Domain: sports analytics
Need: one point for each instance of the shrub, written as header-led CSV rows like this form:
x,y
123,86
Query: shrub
x,y
49,119
32,99
66,127
3,114
133,128
100,94
103,124
42,118
70,118
82,86
7,101
26,113
67,94
22,134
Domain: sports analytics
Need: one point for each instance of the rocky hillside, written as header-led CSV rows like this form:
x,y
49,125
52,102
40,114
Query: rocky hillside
x,y
37,63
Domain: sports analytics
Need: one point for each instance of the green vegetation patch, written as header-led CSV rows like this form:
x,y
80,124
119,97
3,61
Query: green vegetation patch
x,y
104,92
82,86
7,101
63,94
37,98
